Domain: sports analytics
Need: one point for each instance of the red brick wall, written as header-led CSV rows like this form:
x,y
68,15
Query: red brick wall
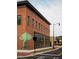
x,y
39,20
21,28
24,12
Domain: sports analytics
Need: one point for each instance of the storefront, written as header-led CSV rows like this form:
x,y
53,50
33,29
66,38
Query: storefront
x,y
41,41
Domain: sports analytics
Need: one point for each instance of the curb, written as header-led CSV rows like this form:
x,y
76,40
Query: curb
x,y
21,54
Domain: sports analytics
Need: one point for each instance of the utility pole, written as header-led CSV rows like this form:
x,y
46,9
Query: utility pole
x,y
53,33
53,36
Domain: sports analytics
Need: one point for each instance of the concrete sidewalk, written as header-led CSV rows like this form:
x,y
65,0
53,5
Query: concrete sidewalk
x,y
28,53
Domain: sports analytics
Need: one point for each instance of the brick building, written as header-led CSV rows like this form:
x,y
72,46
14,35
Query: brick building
x,y
31,21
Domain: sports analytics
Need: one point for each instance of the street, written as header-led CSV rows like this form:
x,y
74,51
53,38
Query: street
x,y
57,54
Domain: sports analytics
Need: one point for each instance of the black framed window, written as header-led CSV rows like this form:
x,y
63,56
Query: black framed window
x,y
36,24
39,41
39,25
32,22
19,19
28,20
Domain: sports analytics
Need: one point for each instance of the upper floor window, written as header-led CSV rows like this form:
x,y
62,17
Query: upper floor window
x,y
39,25
32,22
36,24
28,20
19,20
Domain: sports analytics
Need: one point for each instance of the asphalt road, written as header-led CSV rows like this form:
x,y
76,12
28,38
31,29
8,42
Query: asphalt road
x,y
57,54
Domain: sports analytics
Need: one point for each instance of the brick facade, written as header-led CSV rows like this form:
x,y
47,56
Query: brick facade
x,y
44,29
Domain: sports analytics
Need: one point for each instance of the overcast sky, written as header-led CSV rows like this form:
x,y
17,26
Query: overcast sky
x,y
52,11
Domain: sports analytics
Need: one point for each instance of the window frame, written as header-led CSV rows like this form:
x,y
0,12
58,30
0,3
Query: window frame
x,y
19,21
28,20
39,26
36,24
32,22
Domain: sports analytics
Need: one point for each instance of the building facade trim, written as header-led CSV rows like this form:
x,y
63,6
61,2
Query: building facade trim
x,y
29,5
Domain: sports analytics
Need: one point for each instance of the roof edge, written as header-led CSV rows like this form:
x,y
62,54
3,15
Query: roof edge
x,y
27,3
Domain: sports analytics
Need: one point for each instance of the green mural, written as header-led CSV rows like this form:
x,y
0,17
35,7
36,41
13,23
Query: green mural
x,y
25,37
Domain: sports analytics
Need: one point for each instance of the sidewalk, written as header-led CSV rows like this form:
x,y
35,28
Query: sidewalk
x,y
27,53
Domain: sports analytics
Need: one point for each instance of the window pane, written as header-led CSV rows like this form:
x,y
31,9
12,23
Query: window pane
x,y
39,25
19,20
36,24
33,22
28,20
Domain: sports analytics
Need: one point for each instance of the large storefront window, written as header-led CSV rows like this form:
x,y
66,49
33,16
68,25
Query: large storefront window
x,y
39,41
42,41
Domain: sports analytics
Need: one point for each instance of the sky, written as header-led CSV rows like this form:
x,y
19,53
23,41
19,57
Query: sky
x,y
52,11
